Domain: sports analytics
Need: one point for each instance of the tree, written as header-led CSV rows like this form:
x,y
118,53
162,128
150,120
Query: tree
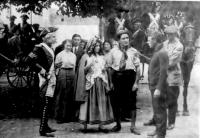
x,y
82,8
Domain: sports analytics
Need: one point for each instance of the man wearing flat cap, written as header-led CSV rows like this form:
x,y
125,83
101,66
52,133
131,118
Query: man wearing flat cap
x,y
42,59
174,49
26,34
125,65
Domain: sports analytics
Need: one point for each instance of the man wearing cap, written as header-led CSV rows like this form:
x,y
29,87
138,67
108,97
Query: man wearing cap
x,y
119,22
157,76
26,34
125,65
139,40
42,58
12,25
174,49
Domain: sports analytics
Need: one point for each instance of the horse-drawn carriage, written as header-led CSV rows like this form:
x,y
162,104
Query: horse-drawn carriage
x,y
18,73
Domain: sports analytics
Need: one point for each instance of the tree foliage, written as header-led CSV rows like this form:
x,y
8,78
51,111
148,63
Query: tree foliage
x,y
101,8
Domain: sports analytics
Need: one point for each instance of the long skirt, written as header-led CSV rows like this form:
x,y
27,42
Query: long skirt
x,y
97,108
64,95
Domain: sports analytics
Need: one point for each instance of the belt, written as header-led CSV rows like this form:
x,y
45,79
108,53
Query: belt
x,y
67,68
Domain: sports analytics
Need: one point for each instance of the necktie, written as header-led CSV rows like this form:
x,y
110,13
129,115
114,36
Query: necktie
x,y
75,50
122,63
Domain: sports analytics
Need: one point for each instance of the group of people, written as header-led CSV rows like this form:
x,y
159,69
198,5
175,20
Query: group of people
x,y
97,82
19,39
89,83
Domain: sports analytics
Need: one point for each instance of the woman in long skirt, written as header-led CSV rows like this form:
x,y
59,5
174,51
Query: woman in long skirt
x,y
97,108
64,85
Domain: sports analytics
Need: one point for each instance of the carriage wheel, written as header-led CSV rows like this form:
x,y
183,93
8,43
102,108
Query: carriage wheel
x,y
19,76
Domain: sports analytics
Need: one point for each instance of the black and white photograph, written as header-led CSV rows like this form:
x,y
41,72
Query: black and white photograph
x,y
99,69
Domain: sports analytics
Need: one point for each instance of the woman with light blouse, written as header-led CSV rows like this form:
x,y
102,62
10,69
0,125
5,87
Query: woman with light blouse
x,y
64,85
97,107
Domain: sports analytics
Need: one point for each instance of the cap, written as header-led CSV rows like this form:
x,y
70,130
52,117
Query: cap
x,y
24,16
13,17
122,9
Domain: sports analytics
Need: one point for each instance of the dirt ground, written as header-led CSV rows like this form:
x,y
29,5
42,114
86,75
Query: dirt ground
x,y
186,126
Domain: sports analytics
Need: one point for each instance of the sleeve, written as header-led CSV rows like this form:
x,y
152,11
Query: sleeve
x,y
32,59
58,58
176,55
136,59
163,60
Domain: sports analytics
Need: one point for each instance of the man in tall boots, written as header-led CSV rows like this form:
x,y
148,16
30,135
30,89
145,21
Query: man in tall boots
x,y
157,76
125,69
42,58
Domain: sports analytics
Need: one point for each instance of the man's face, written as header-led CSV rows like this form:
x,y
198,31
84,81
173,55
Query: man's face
x,y
52,39
76,41
12,20
152,42
124,40
171,36
137,25
24,19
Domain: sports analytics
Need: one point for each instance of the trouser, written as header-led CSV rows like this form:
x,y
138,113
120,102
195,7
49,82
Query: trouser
x,y
122,96
160,113
45,113
152,100
172,97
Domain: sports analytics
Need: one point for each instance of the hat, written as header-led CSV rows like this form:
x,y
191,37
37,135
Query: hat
x,y
171,29
137,20
122,9
24,16
47,30
13,17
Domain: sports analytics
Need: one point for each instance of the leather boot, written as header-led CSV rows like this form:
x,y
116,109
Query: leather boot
x,y
44,128
133,129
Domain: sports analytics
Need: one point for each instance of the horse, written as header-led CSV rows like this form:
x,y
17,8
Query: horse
x,y
187,38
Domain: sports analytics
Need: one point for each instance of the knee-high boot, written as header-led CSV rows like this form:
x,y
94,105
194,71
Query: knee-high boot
x,y
133,120
44,127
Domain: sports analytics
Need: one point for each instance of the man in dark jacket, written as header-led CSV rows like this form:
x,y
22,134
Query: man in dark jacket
x,y
26,34
42,58
157,84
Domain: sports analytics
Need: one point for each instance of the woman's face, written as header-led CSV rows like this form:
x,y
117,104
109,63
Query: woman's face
x,y
97,48
107,46
68,46
115,44
82,45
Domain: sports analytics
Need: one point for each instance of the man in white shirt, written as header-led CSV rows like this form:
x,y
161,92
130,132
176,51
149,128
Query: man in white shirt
x,y
174,49
125,63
